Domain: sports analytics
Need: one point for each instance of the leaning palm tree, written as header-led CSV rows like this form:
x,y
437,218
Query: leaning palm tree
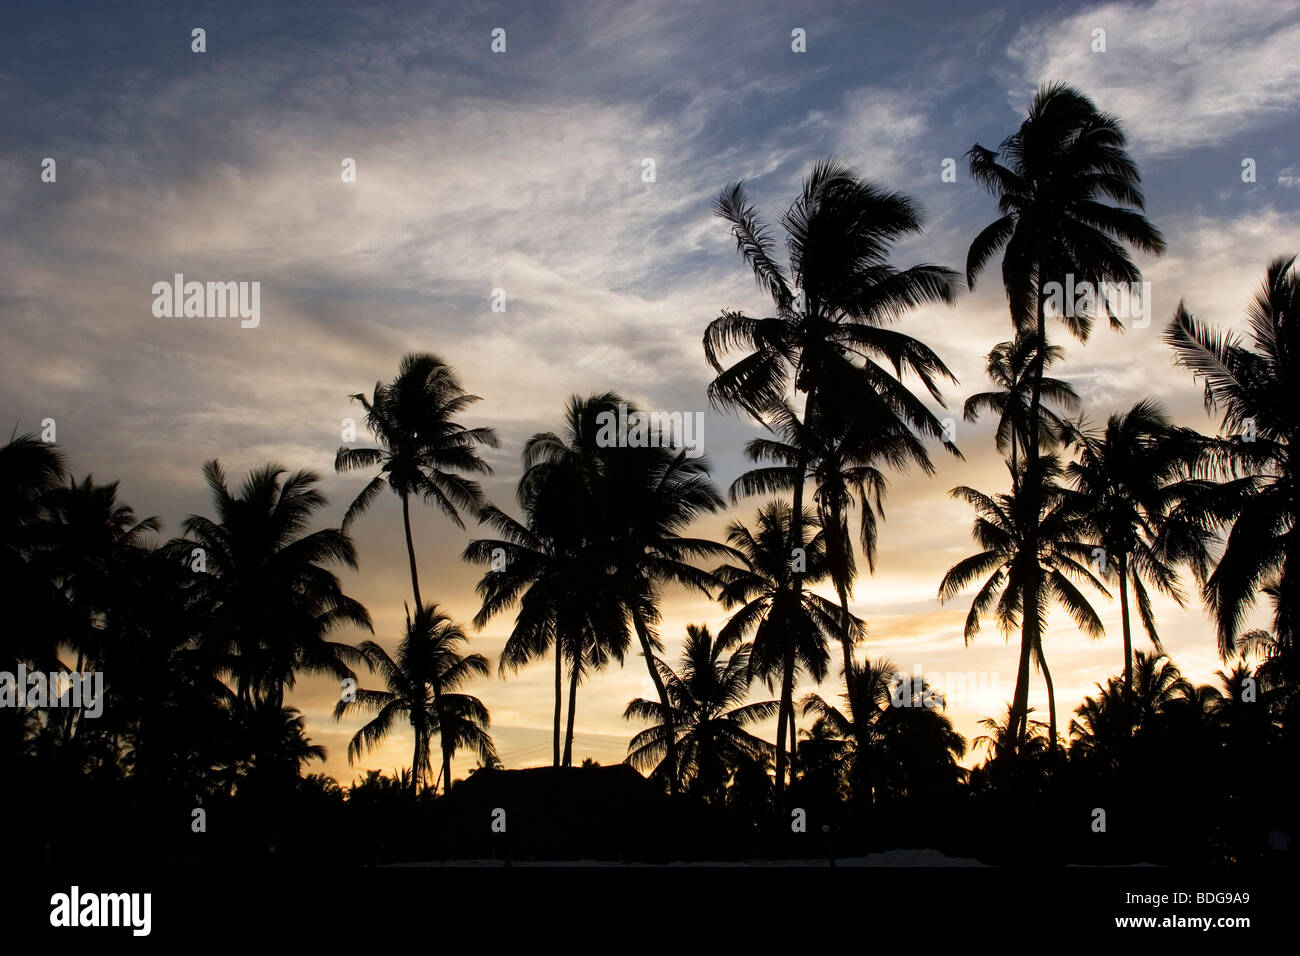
x,y
707,698
828,339
1051,178
264,584
1035,532
1132,477
1251,384
790,627
422,450
427,656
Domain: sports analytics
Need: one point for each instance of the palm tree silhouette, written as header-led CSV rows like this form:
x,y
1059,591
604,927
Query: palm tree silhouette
x,y
1009,367
1050,177
421,450
1132,477
545,564
898,742
844,456
828,338
1035,532
709,717
787,624
267,593
427,657
1257,501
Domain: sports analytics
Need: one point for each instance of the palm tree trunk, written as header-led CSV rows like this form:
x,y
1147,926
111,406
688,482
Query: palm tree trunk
x,y
410,552
416,759
786,708
559,684
573,706
1124,619
643,634
1031,625
1051,698
794,745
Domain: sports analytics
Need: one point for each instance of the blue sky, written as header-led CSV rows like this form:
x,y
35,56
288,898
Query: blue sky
x,y
522,171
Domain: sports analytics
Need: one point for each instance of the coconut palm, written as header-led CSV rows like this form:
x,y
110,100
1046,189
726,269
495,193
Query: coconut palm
x,y
1051,178
29,470
845,456
790,627
1133,476
900,741
546,564
1248,380
828,339
428,655
1035,532
422,450
710,715
1009,369
263,583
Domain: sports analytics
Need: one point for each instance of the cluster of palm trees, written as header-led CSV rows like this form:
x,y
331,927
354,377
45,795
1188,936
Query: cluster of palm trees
x,y
210,630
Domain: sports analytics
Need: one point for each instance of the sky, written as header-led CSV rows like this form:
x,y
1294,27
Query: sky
x,y
523,171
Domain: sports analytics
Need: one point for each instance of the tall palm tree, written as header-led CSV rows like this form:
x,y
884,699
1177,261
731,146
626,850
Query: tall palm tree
x,y
790,627
428,655
709,716
1051,178
845,456
1251,385
267,593
1036,532
422,450
828,339
1132,477
545,564
651,496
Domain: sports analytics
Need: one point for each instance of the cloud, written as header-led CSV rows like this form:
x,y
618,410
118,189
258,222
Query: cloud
x,y
1193,73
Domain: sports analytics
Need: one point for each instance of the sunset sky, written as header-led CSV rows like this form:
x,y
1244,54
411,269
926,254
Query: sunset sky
x,y
522,171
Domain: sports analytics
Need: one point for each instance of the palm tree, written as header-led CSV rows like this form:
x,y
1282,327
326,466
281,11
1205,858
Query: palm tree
x,y
844,455
1033,533
790,627
29,470
1050,178
1132,476
422,450
427,656
545,564
828,338
266,590
1009,368
93,541
893,741
1252,388
709,716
